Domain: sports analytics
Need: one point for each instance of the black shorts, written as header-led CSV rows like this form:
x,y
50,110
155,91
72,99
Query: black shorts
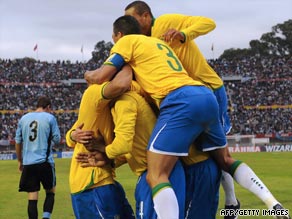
x,y
34,175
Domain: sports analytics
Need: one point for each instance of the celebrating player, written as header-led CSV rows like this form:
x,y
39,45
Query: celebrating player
x,y
180,31
188,109
163,77
134,121
94,192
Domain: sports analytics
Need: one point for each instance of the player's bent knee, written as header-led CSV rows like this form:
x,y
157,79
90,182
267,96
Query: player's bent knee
x,y
223,160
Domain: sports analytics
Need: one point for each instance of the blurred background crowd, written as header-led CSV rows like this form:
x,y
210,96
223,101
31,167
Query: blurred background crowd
x,y
259,92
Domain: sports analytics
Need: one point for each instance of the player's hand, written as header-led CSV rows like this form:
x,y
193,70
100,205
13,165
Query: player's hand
x,y
82,136
95,144
89,76
173,34
92,159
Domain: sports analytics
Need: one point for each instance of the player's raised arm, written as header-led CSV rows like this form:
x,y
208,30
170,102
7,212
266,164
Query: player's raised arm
x,y
197,26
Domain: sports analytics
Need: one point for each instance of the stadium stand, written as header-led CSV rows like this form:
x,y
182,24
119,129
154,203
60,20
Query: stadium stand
x,y
259,91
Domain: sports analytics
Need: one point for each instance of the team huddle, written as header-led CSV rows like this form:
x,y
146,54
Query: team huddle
x,y
157,105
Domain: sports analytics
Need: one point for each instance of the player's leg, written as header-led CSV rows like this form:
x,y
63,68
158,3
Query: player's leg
x,y
245,177
231,201
218,139
49,203
241,172
32,208
29,182
226,180
183,115
202,189
159,169
47,174
127,211
177,180
144,204
143,196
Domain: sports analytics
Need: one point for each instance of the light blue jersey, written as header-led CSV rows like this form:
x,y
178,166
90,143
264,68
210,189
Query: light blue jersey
x,y
37,132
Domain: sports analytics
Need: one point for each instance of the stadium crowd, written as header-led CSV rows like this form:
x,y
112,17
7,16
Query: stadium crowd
x,y
259,97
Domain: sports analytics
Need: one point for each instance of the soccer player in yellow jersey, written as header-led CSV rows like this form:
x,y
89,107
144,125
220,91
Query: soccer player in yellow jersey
x,y
94,192
188,110
134,121
180,31
180,99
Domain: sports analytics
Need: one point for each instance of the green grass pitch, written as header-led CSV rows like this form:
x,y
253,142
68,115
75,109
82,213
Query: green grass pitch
x,y
274,169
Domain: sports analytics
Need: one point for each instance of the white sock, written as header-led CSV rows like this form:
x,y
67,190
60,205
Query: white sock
x,y
165,204
228,186
245,177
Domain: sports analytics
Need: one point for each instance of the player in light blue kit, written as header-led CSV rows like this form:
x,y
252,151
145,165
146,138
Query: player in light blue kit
x,y
36,133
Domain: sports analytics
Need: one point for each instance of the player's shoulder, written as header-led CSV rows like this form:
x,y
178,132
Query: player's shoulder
x,y
47,114
27,115
44,117
132,41
169,17
134,37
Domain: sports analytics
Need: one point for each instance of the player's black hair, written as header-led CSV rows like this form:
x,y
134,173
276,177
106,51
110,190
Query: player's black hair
x,y
127,25
43,102
140,7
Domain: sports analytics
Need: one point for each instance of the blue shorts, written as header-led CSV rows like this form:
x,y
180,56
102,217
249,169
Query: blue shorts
x,y
185,114
202,189
221,97
143,194
102,202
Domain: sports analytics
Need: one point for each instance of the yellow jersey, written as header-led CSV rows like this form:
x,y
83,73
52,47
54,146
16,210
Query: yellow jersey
x,y
134,121
156,67
94,112
188,52
191,57
195,156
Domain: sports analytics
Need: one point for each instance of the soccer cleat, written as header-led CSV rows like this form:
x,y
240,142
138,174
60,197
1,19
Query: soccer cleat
x,y
234,207
279,207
